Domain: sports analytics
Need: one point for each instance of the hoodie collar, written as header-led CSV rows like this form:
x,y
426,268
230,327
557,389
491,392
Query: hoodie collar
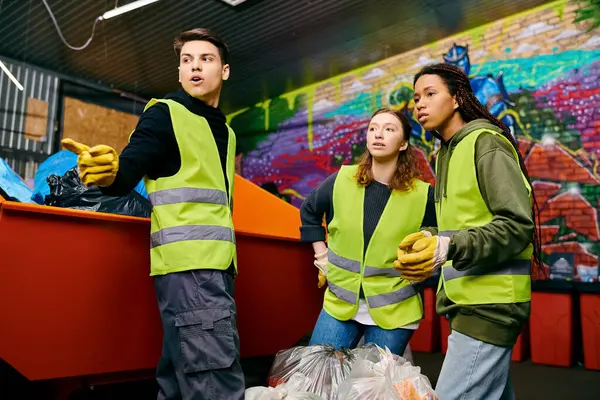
x,y
197,106
445,152
468,128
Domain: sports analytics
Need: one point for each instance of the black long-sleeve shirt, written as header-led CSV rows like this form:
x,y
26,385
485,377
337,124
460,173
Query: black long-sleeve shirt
x,y
320,202
153,148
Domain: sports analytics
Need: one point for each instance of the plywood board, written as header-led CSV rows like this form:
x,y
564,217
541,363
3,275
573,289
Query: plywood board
x,y
36,119
92,124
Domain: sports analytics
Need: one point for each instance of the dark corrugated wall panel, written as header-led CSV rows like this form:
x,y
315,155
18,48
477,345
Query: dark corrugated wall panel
x,y
37,84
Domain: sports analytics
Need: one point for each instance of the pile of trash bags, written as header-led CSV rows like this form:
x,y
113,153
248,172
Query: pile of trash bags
x,y
292,391
56,183
379,375
323,373
58,164
68,191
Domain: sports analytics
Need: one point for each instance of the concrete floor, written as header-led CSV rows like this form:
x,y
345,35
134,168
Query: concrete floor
x,y
531,382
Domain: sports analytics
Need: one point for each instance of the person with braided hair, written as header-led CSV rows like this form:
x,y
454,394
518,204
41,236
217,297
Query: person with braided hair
x,y
486,237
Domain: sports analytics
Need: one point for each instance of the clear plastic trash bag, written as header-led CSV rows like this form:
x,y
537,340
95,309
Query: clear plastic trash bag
x,y
378,374
285,391
315,369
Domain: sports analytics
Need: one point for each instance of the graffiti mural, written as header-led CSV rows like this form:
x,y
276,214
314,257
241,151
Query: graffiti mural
x,y
490,90
538,72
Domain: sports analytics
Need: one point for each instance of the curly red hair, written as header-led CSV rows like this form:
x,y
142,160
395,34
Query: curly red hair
x,y
406,170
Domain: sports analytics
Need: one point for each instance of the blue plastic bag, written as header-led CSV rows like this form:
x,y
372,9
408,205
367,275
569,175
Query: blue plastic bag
x,y
56,164
59,164
141,189
12,186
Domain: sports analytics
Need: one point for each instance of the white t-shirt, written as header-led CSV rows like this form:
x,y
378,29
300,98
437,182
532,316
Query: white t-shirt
x,y
364,317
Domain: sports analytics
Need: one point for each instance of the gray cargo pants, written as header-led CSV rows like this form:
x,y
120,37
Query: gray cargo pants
x,y
200,356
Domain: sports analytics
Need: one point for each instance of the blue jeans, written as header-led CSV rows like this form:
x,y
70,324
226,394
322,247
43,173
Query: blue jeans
x,y
474,370
347,334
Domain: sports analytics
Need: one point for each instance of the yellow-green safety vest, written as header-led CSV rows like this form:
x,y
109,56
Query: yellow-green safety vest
x,y
463,207
393,302
191,221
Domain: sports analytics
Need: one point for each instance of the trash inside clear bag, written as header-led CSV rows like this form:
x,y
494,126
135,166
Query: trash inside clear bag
x,y
281,392
378,374
315,369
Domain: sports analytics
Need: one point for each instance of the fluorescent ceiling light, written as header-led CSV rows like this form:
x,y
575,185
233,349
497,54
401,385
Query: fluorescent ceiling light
x,y
126,8
234,2
107,15
11,76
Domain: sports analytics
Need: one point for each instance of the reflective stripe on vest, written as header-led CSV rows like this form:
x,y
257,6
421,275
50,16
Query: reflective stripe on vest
x,y
188,195
191,232
389,272
385,299
342,294
343,263
354,266
512,267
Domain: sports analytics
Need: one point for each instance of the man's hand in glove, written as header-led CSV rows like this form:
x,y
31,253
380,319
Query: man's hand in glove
x,y
97,165
321,264
420,255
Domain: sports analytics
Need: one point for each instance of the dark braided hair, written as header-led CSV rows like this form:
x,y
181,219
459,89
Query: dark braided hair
x,y
471,109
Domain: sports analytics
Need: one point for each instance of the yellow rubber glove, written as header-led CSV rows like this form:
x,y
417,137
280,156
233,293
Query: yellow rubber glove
x,y
406,246
408,242
424,258
321,263
97,165
322,280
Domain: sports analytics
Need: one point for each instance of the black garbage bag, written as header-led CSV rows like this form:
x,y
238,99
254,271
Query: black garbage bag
x,y
69,192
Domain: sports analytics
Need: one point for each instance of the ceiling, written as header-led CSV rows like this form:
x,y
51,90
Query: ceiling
x,y
275,45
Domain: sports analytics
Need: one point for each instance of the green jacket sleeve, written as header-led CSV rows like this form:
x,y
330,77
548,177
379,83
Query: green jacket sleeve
x,y
506,196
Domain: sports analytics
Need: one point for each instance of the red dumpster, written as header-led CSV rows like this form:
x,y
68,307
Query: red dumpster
x,y
445,331
590,327
521,348
77,299
551,328
427,337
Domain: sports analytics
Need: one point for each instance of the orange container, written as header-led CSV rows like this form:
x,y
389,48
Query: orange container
x,y
427,337
590,326
77,299
551,328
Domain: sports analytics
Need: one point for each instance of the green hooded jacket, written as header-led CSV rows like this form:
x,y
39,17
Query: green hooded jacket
x,y
501,186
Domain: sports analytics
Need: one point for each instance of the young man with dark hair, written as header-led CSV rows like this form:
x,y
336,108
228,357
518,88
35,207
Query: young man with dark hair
x,y
185,152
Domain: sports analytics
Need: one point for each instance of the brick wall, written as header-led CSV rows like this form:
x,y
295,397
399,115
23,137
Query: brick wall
x,y
550,69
